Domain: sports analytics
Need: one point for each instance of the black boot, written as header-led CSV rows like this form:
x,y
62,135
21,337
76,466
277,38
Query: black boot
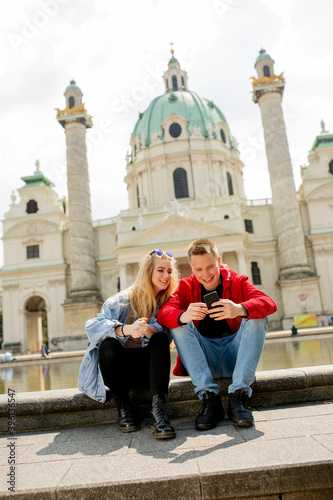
x,y
238,411
211,412
126,420
161,427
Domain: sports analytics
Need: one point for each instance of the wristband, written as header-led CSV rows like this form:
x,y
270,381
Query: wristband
x,y
122,330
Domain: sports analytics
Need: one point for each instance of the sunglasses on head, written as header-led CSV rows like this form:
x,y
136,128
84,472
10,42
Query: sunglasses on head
x,y
161,252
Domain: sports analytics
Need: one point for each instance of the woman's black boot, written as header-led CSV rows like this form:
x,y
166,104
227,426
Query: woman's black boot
x,y
161,427
126,420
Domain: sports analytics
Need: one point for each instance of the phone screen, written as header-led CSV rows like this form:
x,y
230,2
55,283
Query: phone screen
x,y
211,297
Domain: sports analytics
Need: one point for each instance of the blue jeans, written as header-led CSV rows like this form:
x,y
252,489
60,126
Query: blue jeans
x,y
236,356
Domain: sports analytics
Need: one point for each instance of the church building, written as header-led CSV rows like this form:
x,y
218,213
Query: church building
x,y
184,181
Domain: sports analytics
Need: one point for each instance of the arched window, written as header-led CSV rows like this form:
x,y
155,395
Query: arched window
x,y
256,278
71,102
183,83
180,183
174,83
32,207
138,196
248,225
330,167
222,134
267,71
167,84
230,187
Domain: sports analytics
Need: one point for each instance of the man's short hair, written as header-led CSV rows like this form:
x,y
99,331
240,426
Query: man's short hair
x,y
200,247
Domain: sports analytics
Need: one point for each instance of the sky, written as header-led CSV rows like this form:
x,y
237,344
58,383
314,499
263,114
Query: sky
x,y
117,53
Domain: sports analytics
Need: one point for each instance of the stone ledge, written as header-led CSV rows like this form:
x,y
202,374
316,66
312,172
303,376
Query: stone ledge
x,y
313,480
70,407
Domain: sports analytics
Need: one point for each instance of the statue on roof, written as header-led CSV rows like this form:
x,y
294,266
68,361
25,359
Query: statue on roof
x,y
322,124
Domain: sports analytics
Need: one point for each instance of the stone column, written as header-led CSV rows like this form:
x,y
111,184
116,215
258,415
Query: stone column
x,y
83,301
122,276
295,276
292,253
81,235
242,268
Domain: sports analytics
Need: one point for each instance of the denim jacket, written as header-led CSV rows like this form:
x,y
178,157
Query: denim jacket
x,y
114,313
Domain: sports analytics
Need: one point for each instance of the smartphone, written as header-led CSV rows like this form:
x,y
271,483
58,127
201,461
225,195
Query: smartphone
x,y
211,297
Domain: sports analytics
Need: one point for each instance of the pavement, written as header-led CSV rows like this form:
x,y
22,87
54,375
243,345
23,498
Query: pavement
x,y
287,455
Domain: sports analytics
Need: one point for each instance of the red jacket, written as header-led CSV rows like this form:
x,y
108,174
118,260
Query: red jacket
x,y
236,288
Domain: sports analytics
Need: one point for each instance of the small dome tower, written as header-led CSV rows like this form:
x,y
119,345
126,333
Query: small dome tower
x,y
264,64
73,95
174,78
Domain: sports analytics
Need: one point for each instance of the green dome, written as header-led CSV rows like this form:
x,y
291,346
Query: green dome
x,y
72,86
198,111
262,55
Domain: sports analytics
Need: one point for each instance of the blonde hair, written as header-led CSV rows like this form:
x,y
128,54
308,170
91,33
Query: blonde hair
x,y
141,294
200,247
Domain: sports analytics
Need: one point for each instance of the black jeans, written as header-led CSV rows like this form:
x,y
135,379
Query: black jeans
x,y
148,367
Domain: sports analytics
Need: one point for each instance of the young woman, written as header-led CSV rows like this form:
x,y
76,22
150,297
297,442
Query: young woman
x,y
129,349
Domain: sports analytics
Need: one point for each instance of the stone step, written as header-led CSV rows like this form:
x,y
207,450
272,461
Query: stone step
x,y
69,407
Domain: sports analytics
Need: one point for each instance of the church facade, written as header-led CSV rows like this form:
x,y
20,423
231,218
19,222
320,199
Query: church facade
x,y
184,181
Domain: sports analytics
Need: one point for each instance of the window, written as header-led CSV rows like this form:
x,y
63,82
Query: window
x,y
222,134
138,196
256,279
226,216
32,251
330,167
180,183
167,84
174,83
267,71
175,130
248,225
71,102
183,83
32,207
230,187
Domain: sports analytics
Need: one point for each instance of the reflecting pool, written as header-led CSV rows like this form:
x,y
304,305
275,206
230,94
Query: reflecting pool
x,y
62,374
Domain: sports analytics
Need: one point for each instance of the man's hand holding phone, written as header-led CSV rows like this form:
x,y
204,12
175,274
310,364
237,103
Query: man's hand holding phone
x,y
225,308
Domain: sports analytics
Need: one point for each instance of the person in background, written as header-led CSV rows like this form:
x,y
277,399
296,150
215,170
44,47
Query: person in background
x,y
224,341
44,350
294,330
130,349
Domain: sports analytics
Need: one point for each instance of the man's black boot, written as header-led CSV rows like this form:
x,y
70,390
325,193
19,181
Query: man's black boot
x,y
238,411
126,419
211,412
161,427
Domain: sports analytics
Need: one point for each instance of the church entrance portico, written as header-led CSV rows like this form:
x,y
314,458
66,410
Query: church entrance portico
x,y
36,323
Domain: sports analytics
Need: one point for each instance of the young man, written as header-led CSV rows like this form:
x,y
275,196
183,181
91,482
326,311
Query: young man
x,y
224,341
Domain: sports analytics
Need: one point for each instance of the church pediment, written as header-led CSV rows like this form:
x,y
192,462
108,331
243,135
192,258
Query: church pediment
x,y
30,228
176,230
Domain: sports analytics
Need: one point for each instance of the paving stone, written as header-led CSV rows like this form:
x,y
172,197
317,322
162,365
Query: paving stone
x,y
261,454
295,411
76,449
286,428
326,440
129,468
36,477
186,439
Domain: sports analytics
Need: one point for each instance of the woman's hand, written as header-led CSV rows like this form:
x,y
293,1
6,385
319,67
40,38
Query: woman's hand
x,y
138,329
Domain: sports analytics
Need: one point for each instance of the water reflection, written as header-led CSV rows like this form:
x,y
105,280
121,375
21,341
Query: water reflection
x,y
63,374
